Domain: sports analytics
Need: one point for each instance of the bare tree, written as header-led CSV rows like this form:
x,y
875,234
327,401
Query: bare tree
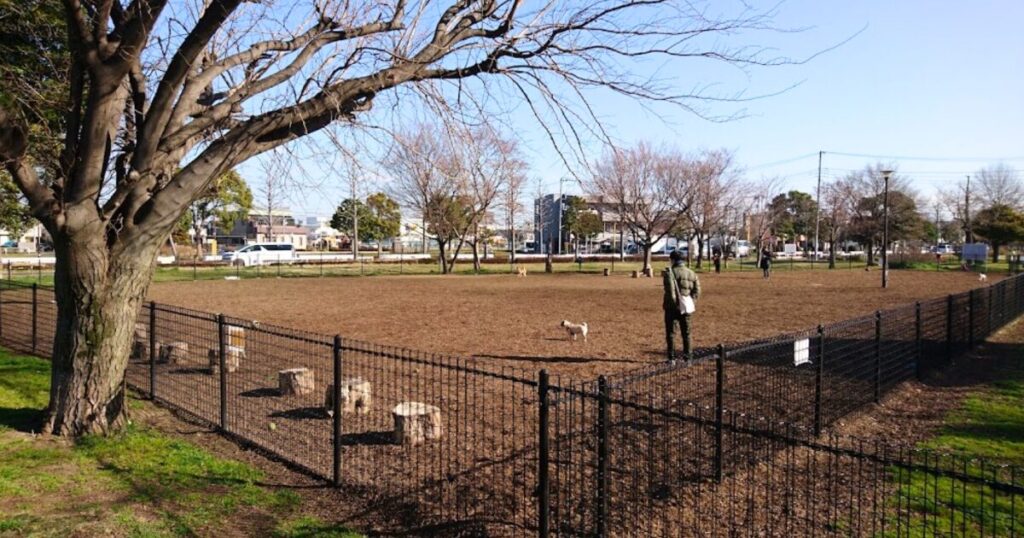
x,y
1000,185
512,203
760,217
493,163
160,104
648,184
272,188
838,204
711,188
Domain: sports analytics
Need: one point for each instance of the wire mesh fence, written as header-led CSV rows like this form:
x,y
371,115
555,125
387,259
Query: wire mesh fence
x,y
730,443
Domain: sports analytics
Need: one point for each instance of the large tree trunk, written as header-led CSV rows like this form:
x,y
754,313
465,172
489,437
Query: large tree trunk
x,y
444,258
700,250
870,251
995,252
647,257
832,252
98,297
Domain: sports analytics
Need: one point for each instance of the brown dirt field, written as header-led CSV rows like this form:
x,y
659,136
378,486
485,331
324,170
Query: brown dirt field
x,y
514,321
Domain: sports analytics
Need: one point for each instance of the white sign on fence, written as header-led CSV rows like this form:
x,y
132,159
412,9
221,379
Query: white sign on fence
x,y
801,352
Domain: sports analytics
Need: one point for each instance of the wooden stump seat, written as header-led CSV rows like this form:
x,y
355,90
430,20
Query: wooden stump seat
x,y
356,396
174,353
232,359
416,423
295,382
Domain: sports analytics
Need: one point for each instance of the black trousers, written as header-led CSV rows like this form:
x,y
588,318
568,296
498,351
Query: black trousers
x,y
673,317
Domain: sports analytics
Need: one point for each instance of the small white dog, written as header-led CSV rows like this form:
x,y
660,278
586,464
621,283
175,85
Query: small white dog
x,y
982,277
575,330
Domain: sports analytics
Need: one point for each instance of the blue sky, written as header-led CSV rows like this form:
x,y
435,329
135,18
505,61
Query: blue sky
x,y
937,79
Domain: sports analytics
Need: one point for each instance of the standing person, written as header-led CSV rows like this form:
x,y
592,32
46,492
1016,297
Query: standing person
x,y
682,289
716,258
766,263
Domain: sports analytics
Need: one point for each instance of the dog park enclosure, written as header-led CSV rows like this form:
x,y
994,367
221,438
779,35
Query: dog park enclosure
x,y
725,444
514,321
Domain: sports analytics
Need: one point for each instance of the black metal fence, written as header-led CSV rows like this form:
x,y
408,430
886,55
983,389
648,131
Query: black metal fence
x,y
731,444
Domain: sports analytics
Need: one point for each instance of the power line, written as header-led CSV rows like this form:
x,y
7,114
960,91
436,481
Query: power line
x,y
936,159
784,161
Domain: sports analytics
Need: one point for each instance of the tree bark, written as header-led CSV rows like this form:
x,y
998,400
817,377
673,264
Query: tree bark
x,y
832,252
98,298
700,250
647,257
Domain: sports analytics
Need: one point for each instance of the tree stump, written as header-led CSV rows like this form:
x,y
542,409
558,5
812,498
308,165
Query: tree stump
x,y
174,353
416,423
140,342
295,382
356,396
236,337
232,359
635,274
606,271
141,332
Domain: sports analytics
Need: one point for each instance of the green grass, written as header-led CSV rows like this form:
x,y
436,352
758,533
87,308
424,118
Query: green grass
x,y
138,482
990,426
465,267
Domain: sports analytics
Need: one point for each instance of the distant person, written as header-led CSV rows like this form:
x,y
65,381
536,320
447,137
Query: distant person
x,y
716,258
766,263
682,289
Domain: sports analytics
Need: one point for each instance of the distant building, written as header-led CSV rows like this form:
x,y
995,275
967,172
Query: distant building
x,y
546,220
411,235
33,239
321,236
257,228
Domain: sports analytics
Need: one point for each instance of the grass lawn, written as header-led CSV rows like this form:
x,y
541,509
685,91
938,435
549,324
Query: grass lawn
x,y
136,483
988,425
465,267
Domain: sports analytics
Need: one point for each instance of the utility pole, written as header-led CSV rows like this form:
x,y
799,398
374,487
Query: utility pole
x,y
817,208
967,212
885,230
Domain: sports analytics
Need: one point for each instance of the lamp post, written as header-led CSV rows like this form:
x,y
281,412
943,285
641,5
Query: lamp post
x,y
885,230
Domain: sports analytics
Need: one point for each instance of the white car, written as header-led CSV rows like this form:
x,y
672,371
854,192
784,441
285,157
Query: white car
x,y
261,254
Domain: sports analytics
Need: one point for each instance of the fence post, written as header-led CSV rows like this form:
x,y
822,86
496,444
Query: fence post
x,y
602,457
35,315
988,313
878,356
817,380
949,328
221,356
970,319
152,350
543,479
336,411
918,371
719,403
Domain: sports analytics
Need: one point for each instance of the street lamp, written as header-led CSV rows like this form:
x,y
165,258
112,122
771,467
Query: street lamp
x,y
885,230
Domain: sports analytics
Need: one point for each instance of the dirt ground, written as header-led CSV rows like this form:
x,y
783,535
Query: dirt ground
x,y
514,321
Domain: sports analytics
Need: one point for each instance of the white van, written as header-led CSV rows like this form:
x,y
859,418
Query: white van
x,y
262,254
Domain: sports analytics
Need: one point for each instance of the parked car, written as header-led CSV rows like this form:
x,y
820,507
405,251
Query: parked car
x,y
943,248
10,243
261,254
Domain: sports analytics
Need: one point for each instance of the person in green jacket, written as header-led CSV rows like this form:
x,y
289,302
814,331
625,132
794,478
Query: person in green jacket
x,y
679,281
